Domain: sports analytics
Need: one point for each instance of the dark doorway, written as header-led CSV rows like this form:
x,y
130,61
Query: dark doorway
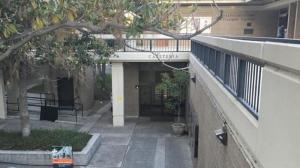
x,y
151,102
65,90
196,141
150,99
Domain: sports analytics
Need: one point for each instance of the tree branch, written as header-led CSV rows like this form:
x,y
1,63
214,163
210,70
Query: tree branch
x,y
188,36
93,29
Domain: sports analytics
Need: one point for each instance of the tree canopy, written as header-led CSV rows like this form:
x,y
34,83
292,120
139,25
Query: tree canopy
x,y
22,21
60,33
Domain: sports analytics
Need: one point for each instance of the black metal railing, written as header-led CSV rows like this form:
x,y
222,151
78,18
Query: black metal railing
x,y
241,76
45,99
150,45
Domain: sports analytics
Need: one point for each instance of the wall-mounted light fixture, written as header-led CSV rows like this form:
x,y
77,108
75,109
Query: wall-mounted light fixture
x,y
137,86
193,78
221,134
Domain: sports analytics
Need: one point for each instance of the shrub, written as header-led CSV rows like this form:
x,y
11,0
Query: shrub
x,y
103,87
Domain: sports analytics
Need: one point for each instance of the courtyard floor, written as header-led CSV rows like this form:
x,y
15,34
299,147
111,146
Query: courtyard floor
x,y
141,143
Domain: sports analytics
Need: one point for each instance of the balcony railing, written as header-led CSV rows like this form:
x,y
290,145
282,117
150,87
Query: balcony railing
x,y
242,77
150,45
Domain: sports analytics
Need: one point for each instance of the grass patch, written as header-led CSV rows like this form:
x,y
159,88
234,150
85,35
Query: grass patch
x,y
43,140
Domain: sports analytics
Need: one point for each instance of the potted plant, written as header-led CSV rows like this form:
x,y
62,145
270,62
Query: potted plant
x,y
174,87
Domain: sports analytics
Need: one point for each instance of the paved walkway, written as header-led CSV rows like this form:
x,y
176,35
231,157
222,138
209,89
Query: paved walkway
x,y
141,143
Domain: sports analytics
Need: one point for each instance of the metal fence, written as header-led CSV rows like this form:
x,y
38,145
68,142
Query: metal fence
x,y
241,76
45,99
150,45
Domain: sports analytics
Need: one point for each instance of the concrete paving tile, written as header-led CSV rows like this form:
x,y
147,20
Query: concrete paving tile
x,y
145,143
109,156
127,129
141,153
115,139
153,128
178,153
138,164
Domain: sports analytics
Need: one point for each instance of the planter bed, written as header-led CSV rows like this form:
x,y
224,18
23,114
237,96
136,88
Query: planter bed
x,y
35,156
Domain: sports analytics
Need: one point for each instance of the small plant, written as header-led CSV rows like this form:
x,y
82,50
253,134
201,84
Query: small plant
x,y
174,87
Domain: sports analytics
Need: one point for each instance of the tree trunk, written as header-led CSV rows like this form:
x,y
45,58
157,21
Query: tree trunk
x,y
49,84
24,114
103,71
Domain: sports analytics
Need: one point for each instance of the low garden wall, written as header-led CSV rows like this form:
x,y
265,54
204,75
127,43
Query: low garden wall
x,y
41,158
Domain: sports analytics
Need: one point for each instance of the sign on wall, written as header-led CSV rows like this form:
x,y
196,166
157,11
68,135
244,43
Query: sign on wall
x,y
191,24
164,56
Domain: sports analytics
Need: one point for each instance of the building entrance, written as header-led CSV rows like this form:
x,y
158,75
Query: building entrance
x,y
65,90
151,101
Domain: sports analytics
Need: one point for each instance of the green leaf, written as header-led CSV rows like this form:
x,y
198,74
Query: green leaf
x,y
34,4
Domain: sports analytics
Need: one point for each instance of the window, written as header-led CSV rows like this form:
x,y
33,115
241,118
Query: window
x,y
191,24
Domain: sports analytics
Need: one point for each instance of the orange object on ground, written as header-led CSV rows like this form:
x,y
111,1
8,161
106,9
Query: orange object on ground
x,y
62,161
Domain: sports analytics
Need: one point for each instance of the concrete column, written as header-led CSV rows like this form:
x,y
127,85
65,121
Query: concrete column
x,y
118,93
297,22
3,112
291,20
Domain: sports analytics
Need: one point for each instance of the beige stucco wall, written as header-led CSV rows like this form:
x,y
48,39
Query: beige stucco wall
x,y
297,24
211,153
271,53
131,93
85,88
240,121
277,138
272,140
291,20
235,19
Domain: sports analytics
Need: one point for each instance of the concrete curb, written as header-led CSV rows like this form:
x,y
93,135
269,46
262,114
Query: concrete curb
x,y
43,158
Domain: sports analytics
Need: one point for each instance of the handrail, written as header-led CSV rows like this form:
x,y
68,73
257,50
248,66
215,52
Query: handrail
x,y
44,101
150,45
240,76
